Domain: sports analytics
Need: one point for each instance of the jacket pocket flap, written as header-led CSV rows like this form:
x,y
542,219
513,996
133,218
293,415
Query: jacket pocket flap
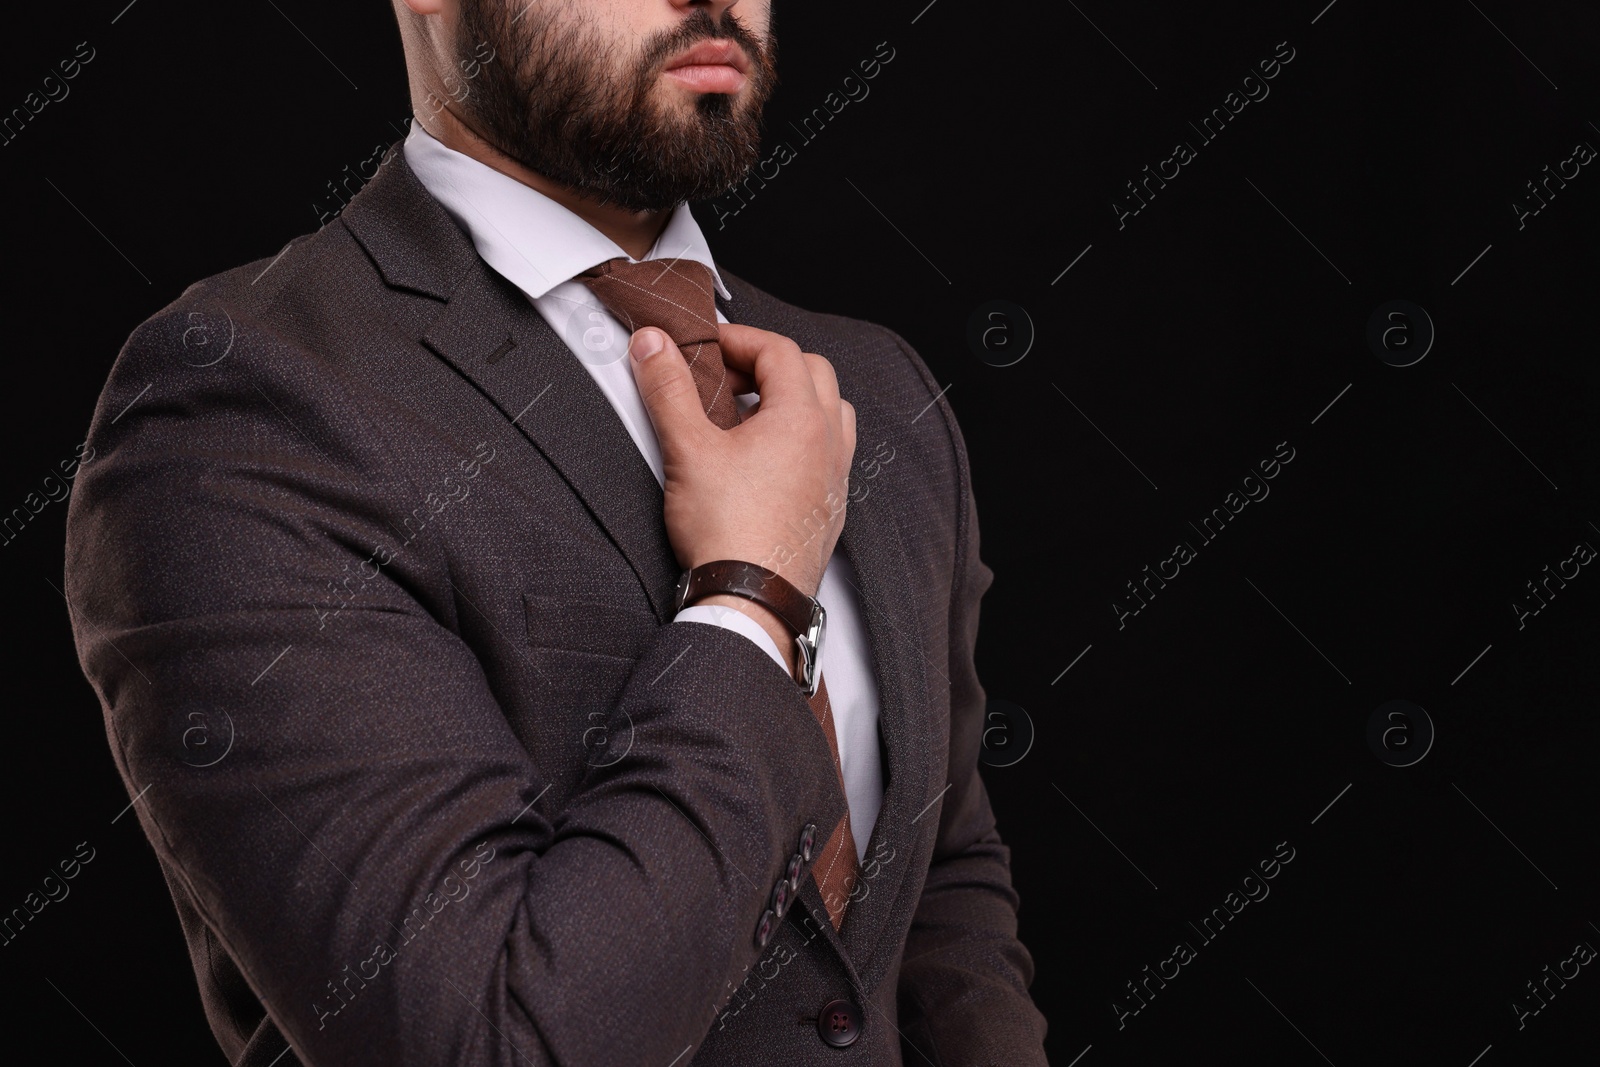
x,y
593,624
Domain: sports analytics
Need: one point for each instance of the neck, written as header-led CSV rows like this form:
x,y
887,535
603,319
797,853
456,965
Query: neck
x,y
633,231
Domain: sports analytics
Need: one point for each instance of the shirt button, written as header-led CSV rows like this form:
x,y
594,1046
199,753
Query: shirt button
x,y
839,1023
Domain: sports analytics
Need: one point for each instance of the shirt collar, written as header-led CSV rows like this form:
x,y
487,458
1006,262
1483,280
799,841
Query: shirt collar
x,y
530,239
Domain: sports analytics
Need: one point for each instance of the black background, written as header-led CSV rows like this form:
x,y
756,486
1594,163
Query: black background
x,y
1224,318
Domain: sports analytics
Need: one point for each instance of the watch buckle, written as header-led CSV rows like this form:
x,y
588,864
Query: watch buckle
x,y
810,644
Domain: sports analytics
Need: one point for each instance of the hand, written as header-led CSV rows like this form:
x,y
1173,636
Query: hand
x,y
773,489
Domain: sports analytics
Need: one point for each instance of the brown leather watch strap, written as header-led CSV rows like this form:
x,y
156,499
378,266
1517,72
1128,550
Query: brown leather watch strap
x,y
802,614
753,582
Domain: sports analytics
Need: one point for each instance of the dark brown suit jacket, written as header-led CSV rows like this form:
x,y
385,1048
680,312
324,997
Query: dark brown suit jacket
x,y
374,589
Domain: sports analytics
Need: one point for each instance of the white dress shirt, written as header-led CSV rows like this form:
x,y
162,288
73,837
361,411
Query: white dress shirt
x,y
540,247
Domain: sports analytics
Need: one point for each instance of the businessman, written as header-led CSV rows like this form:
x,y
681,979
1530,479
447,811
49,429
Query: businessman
x,y
529,644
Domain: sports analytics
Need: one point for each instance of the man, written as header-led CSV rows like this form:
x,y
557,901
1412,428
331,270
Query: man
x,y
377,576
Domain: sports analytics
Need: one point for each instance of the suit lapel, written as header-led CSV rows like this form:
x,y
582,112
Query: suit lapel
x,y
496,340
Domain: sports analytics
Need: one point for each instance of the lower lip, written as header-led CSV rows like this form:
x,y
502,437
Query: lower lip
x,y
709,77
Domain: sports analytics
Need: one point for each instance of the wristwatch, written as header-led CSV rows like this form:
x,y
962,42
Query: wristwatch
x,y
802,614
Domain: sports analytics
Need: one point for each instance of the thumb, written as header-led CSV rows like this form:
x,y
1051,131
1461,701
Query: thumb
x,y
666,385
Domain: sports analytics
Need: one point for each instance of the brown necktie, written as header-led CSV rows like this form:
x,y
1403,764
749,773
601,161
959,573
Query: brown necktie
x,y
677,296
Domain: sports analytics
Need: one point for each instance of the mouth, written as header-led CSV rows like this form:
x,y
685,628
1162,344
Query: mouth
x,y
710,67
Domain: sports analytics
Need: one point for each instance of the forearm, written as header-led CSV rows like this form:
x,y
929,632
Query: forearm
x,y
321,838
774,627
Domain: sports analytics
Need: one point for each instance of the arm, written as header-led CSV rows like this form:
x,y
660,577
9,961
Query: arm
x,y
965,975
367,851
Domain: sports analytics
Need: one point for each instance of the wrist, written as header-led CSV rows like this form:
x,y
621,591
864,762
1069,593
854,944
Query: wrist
x,y
801,616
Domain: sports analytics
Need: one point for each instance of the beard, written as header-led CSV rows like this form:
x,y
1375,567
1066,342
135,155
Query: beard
x,y
557,99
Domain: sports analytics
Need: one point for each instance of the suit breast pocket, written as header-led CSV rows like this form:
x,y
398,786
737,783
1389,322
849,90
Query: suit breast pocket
x,y
584,647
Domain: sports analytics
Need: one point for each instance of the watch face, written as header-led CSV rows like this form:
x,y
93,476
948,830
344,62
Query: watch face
x,y
681,591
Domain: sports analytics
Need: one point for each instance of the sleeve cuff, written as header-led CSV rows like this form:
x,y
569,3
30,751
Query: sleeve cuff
x,y
738,621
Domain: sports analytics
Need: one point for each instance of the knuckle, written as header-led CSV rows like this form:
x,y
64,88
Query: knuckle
x,y
668,392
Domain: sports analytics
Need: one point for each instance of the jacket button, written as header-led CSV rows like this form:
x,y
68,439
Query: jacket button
x,y
839,1023
764,928
792,873
808,840
780,898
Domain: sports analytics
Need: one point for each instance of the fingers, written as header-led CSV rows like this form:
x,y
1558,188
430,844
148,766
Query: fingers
x,y
823,378
759,361
767,356
780,372
666,385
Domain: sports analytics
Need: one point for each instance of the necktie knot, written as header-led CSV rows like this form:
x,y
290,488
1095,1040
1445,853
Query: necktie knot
x,y
679,297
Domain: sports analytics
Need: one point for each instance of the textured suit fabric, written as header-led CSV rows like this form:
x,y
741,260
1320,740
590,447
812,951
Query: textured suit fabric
x,y
375,592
